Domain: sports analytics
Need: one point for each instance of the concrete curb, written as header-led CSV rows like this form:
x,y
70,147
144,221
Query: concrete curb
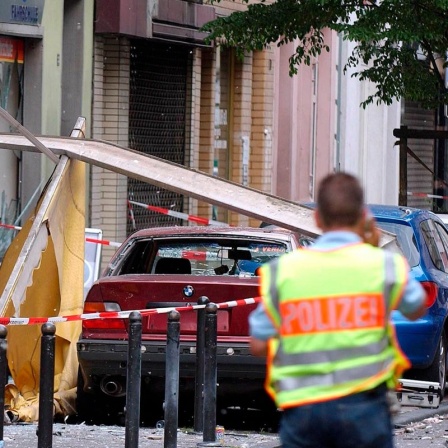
x,y
417,415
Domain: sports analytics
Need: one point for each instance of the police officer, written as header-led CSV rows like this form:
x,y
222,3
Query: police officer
x,y
324,325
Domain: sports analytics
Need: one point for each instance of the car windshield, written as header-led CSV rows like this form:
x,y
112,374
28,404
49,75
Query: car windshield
x,y
405,239
201,257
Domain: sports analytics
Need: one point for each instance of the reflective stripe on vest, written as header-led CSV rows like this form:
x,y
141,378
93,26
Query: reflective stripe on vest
x,y
291,359
336,377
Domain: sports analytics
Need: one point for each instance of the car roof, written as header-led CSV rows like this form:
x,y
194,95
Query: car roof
x,y
399,212
264,232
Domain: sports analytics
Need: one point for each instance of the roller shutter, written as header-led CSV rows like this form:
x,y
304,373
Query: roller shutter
x,y
420,180
157,120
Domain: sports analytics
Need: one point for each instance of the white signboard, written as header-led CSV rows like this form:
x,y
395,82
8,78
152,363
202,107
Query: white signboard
x,y
92,258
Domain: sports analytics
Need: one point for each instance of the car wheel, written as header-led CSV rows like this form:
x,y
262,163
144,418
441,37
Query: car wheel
x,y
436,372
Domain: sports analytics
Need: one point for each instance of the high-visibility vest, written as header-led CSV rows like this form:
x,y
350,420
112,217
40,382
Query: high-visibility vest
x,y
331,310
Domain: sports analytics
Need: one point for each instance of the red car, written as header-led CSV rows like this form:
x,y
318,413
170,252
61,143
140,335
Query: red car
x,y
175,266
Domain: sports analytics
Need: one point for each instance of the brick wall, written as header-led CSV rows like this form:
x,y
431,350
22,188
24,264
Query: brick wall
x,y
207,91
192,159
260,165
247,97
247,94
110,122
241,119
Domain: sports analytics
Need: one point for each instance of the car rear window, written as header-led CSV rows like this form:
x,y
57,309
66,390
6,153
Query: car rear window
x,y
200,257
405,240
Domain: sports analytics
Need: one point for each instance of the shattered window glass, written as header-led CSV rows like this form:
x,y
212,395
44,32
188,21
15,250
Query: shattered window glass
x,y
212,258
201,257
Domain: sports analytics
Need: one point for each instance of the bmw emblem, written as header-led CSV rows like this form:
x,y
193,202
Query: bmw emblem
x,y
188,291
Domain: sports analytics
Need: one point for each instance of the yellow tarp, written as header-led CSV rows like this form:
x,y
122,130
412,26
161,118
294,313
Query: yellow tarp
x,y
56,289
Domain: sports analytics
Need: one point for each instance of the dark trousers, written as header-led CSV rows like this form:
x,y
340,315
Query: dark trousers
x,y
357,421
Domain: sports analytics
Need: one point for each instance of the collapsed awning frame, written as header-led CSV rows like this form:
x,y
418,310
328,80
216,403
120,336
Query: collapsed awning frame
x,y
171,176
177,178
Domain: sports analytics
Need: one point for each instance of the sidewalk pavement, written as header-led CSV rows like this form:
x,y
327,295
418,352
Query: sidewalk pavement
x,y
21,435
410,414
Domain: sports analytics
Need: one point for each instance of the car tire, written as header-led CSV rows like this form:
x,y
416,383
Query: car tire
x,y
436,372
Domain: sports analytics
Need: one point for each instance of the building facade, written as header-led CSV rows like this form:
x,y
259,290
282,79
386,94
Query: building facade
x,y
145,78
366,145
159,88
41,41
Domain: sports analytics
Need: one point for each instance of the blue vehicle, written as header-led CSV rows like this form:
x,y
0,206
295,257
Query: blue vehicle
x,y
423,239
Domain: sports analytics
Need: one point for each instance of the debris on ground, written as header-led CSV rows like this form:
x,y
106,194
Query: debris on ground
x,y
69,436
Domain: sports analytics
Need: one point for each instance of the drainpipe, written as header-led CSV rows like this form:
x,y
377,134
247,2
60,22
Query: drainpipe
x,y
337,158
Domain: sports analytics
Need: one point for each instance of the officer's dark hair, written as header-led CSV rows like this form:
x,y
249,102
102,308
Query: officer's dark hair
x,y
340,200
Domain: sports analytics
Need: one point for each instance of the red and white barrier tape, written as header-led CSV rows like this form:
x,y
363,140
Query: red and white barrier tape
x,y
118,314
88,240
103,242
131,216
427,195
10,226
199,255
180,215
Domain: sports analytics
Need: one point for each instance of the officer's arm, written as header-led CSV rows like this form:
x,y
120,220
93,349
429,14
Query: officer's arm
x,y
258,347
260,330
420,312
413,302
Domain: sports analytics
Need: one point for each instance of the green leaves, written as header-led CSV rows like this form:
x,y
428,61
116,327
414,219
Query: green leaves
x,y
397,42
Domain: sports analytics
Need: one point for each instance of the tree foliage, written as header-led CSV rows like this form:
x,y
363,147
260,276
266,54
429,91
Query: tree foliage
x,y
399,45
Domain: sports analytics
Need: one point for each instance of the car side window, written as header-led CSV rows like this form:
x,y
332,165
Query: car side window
x,y
435,245
138,259
441,231
405,240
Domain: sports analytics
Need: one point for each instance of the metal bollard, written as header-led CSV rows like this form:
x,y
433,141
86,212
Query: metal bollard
x,y
3,377
210,376
198,425
172,379
133,380
45,424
